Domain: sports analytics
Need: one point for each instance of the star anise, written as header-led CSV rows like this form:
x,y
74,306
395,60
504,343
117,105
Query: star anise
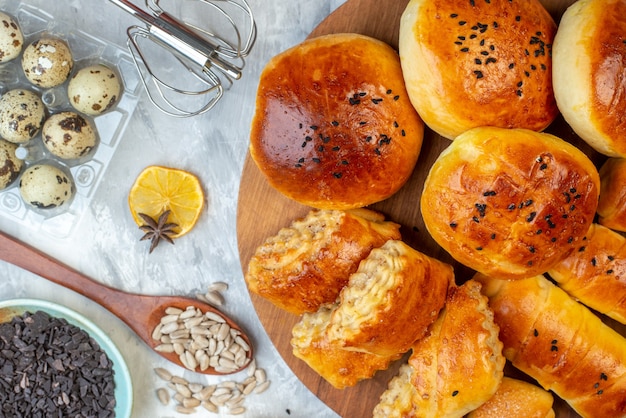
x,y
158,230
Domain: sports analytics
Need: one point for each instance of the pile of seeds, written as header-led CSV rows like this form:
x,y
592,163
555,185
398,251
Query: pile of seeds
x,y
229,394
49,367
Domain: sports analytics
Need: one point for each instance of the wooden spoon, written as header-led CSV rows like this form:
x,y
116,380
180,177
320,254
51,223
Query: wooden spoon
x,y
140,312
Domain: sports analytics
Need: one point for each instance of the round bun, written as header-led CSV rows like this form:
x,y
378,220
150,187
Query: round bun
x,y
333,126
589,53
510,203
478,63
612,203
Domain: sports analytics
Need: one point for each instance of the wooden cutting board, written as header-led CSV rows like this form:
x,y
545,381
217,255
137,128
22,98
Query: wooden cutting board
x,y
262,211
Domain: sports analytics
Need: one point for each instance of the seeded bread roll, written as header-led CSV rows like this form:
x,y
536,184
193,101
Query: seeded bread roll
x,y
516,398
341,368
589,58
478,63
595,273
560,343
510,203
308,263
390,301
333,126
455,368
612,203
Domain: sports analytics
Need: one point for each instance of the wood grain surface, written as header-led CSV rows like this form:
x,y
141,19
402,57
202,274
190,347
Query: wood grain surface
x,y
262,211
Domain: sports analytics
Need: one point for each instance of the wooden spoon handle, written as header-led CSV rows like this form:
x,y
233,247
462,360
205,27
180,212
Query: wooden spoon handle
x,y
33,260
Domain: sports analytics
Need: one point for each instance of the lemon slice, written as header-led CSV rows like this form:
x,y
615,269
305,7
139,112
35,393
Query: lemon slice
x,y
158,189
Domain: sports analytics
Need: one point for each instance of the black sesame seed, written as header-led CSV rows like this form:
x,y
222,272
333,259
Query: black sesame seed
x,y
344,162
520,84
531,249
594,262
491,60
475,219
454,15
477,61
479,248
377,151
603,376
304,144
389,91
337,175
570,240
473,36
466,49
493,236
453,225
308,138
396,97
536,333
479,74
528,202
543,166
489,193
511,66
531,217
314,127
362,94
320,148
553,239
316,160
462,38
456,392
609,271
458,43
511,206
395,124
539,231
581,249
336,148
600,392
403,132
484,53
611,258
376,101
301,160
519,93
335,123
482,42
518,18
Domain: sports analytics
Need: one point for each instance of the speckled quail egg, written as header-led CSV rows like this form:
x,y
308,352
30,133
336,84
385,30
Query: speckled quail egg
x,y
22,114
10,165
11,38
45,186
68,135
94,90
47,62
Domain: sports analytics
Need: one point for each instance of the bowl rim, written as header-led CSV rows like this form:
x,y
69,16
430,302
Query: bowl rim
x,y
123,383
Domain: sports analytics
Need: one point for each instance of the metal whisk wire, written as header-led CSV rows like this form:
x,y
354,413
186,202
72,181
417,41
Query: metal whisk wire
x,y
210,61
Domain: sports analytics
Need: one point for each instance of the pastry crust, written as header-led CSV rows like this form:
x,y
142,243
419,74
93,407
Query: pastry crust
x,y
516,398
333,126
478,63
390,301
454,369
307,264
595,273
612,203
510,202
589,53
560,343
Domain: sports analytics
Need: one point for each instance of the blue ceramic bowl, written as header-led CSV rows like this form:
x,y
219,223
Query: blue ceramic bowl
x,y
123,384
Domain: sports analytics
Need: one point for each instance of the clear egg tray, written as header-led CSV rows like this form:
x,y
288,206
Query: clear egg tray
x,y
87,172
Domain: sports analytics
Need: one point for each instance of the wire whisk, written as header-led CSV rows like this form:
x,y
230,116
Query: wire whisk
x,y
188,61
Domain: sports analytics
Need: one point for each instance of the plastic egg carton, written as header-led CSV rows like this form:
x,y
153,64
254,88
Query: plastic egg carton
x,y
87,172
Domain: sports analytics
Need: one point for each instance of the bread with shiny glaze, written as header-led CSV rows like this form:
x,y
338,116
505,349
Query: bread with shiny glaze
x,y
595,273
589,63
510,202
333,126
306,264
612,203
478,63
455,368
560,343
516,398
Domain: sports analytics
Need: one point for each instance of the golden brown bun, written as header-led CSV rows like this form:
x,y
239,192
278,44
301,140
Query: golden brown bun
x,y
341,368
518,399
478,63
510,203
561,344
589,62
612,203
390,301
595,273
308,263
333,126
455,368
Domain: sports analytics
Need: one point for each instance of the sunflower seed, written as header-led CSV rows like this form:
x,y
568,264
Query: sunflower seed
x,y
214,317
237,411
217,287
169,328
214,298
260,375
169,318
182,410
173,311
163,395
262,387
177,380
191,402
164,374
164,348
210,406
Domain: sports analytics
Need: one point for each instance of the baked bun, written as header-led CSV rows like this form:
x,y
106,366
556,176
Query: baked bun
x,y
478,63
333,126
516,398
341,368
454,369
308,263
612,203
595,273
589,63
510,202
390,301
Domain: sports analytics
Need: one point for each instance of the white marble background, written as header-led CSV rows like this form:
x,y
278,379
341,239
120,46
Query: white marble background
x,y
105,243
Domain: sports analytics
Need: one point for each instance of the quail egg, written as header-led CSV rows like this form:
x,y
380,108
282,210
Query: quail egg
x,y
11,38
68,135
10,165
22,114
94,90
47,62
45,186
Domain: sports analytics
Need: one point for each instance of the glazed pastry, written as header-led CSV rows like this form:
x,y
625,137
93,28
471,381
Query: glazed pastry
x,y
333,126
390,301
561,344
341,368
589,53
516,398
595,273
454,369
612,203
478,63
308,263
510,203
